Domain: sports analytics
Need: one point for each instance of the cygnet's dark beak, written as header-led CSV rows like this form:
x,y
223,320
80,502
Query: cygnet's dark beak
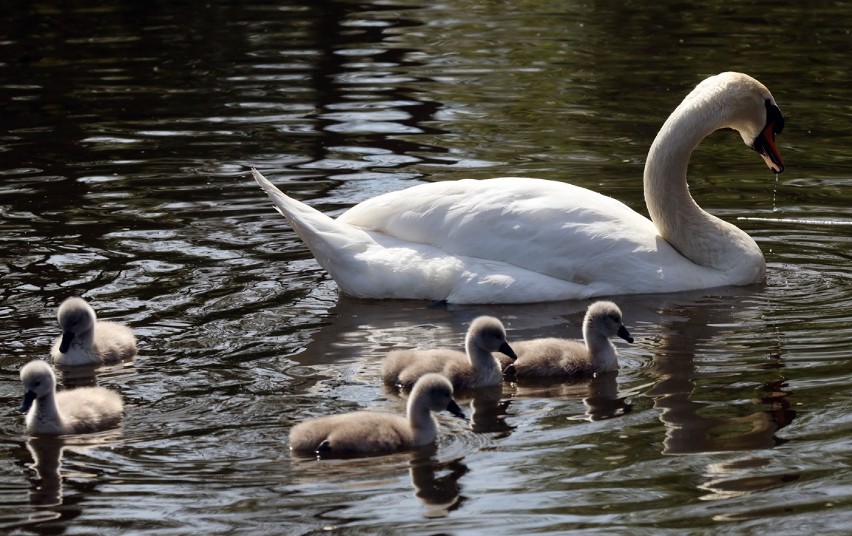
x,y
29,398
67,337
624,334
454,408
506,349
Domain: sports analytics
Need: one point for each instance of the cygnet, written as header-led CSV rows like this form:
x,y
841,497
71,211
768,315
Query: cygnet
x,y
366,433
476,368
87,341
77,411
552,357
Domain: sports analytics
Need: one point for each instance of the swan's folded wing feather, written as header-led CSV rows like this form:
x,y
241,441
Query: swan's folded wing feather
x,y
535,225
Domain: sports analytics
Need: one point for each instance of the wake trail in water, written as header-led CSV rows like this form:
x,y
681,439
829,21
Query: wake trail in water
x,y
801,221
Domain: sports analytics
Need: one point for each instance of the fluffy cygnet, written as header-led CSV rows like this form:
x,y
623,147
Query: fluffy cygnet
x,y
365,433
552,357
87,341
476,368
78,411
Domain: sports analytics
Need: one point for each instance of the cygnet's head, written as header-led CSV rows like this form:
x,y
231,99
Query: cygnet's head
x,y
38,380
604,317
75,317
437,391
488,333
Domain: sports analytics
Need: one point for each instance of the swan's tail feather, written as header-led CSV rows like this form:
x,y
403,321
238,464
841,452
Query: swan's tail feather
x,y
322,234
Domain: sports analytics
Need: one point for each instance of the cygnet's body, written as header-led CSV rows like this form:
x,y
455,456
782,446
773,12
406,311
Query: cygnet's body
x,y
78,411
87,341
476,368
366,433
552,357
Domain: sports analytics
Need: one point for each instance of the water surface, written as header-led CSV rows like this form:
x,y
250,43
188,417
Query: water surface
x,y
127,136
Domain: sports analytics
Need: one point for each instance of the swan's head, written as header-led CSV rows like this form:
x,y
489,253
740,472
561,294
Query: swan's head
x,y
749,108
437,391
604,317
75,317
488,333
38,380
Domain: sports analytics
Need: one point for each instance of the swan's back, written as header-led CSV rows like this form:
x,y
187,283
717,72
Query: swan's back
x,y
535,224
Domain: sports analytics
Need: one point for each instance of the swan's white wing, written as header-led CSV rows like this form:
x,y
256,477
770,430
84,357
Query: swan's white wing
x,y
558,230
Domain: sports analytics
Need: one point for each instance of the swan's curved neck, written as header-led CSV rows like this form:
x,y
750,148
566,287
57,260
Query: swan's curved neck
x,y
699,236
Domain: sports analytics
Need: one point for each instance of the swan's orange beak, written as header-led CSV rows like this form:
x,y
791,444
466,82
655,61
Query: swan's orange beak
x,y
765,145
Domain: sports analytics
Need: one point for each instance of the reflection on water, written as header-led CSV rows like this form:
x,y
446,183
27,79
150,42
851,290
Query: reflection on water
x,y
690,424
47,459
436,484
125,143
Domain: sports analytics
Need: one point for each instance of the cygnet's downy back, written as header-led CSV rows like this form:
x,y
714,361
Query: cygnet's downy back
x,y
476,367
367,433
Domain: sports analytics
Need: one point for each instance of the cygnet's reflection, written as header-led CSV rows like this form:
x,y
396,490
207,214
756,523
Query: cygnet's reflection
x,y
599,393
484,407
46,487
47,484
436,484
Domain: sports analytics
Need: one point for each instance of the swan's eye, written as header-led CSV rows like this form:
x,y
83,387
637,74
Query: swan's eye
x,y
774,118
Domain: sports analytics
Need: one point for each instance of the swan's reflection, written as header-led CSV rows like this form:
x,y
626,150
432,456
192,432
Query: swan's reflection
x,y
689,428
374,327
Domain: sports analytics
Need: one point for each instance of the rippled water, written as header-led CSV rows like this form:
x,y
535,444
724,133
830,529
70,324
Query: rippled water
x,y
127,135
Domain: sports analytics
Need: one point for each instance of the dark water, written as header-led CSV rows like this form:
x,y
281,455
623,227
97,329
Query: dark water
x,y
126,137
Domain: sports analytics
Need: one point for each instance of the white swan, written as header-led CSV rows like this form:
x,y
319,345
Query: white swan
x,y
475,367
562,358
511,240
77,411
366,433
87,341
